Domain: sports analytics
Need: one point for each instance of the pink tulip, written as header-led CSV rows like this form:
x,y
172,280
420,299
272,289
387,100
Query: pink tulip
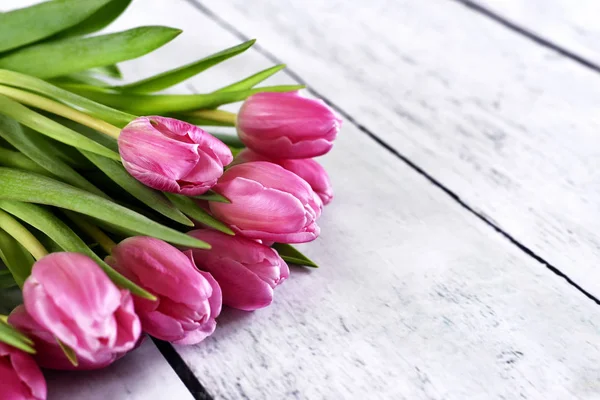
x,y
287,125
246,270
48,353
20,377
72,298
268,203
189,300
306,168
172,155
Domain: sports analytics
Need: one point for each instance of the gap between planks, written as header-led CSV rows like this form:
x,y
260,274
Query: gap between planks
x,y
257,47
482,10
182,370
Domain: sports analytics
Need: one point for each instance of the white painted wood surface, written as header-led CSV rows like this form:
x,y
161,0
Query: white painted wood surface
x,y
510,126
142,375
571,24
416,299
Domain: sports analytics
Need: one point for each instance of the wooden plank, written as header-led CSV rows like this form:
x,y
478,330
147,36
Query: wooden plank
x,y
569,24
142,375
416,298
507,125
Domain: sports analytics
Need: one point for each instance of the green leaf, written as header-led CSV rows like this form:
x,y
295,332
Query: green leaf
x,y
18,260
12,132
100,111
213,196
105,140
152,198
14,338
45,221
28,187
144,104
252,80
111,71
293,256
69,352
175,76
66,56
62,151
90,76
78,78
99,20
28,25
51,128
194,211
14,159
6,280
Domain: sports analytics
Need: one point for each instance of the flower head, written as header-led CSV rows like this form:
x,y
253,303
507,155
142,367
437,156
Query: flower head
x,y
172,155
287,125
188,300
268,202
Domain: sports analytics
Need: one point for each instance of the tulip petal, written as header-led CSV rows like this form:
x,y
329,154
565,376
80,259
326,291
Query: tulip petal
x,y
172,155
149,258
198,335
257,207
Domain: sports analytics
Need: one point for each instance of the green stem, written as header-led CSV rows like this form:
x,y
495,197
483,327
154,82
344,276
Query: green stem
x,y
229,140
15,229
92,230
4,318
57,108
215,115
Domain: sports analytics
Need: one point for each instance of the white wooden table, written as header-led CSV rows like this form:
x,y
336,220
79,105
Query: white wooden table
x,y
460,256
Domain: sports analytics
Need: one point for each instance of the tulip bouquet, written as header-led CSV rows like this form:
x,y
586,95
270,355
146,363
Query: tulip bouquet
x,y
119,215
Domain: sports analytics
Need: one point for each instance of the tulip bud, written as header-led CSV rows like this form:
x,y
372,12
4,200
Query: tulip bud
x,y
306,168
48,353
72,298
20,377
246,270
287,125
188,301
268,203
171,155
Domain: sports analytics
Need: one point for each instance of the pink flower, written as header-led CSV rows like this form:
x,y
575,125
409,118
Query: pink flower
x,y
48,353
246,270
287,125
306,168
268,203
20,377
69,295
172,155
189,300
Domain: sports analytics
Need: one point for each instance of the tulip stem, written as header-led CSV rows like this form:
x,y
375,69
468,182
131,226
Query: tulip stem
x,y
215,115
15,229
54,107
95,233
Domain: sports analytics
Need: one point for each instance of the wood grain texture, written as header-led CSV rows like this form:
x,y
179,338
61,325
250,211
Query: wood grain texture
x,y
570,24
142,375
416,298
509,126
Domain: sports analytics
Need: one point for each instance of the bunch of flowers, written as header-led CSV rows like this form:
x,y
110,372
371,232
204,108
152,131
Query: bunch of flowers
x,y
119,215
